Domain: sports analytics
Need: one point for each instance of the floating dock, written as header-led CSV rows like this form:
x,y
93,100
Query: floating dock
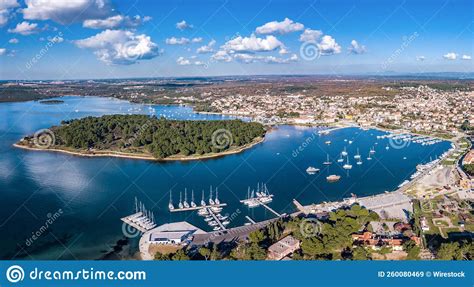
x,y
139,221
198,207
250,219
216,219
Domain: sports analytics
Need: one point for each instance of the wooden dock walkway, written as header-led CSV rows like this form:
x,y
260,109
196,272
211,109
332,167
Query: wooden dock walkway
x,y
216,219
198,207
139,221
250,219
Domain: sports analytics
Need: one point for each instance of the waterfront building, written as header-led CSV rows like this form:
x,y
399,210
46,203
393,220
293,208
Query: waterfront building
x,y
283,248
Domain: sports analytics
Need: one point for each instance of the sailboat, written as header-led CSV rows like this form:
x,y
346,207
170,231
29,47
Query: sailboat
x,y
217,199
359,162
357,156
344,152
192,199
369,157
185,203
170,205
327,162
347,165
340,159
372,150
203,202
211,201
180,204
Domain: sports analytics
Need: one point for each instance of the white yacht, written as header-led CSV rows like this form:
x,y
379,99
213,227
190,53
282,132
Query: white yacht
x,y
327,162
340,159
211,201
369,157
203,202
193,204
357,156
347,165
185,203
170,205
180,204
344,152
312,170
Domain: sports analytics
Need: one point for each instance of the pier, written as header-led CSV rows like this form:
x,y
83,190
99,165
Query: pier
x,y
250,219
269,208
198,207
216,219
142,220
263,197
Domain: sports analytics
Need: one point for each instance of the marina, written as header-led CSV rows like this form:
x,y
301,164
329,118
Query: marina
x,y
96,214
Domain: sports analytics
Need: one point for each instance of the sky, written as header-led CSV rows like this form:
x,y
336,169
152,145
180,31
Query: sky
x,y
97,39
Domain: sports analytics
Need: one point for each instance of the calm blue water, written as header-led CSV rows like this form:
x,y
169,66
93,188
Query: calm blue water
x,y
95,192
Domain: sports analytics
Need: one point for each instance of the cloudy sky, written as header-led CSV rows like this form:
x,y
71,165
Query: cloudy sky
x,y
81,39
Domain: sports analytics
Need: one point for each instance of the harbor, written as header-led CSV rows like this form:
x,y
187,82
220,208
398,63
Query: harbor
x,y
98,206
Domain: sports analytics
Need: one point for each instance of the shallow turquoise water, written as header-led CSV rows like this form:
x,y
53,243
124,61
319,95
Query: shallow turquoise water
x,y
95,192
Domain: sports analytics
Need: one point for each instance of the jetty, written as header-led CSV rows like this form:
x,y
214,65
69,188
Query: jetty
x,y
259,198
192,206
142,220
216,219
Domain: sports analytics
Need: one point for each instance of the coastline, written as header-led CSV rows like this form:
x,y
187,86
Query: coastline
x,y
144,157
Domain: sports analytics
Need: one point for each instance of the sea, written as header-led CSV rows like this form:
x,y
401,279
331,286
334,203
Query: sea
x,y
60,206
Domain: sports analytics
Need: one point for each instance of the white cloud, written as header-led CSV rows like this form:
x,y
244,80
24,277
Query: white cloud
x,y
252,44
310,35
183,25
177,41
117,21
183,62
209,48
420,58
283,51
450,56
6,7
328,46
120,47
25,28
196,40
14,41
356,48
3,51
466,57
221,56
66,12
284,27
186,62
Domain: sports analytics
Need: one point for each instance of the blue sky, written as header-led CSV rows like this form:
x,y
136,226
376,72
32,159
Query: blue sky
x,y
54,39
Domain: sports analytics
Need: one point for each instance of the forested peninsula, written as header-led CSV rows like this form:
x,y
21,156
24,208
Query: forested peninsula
x,y
145,137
